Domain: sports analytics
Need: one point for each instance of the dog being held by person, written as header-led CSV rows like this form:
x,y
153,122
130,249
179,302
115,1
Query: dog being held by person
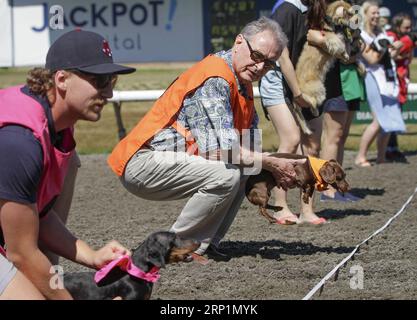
x,y
341,42
131,278
314,173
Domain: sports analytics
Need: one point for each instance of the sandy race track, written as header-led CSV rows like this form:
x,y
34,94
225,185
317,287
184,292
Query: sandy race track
x,y
270,261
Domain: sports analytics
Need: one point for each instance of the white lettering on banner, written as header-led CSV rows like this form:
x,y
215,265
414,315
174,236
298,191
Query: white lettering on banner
x,y
410,115
365,116
137,30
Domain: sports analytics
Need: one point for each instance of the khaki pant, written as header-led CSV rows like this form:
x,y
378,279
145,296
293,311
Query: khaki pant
x,y
215,189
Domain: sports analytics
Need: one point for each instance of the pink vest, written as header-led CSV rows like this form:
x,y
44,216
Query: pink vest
x,y
2,251
20,109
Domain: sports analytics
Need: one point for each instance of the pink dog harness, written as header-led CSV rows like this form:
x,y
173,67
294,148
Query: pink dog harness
x,y
125,263
2,251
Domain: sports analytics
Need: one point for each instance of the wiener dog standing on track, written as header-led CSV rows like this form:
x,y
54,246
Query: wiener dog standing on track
x,y
314,173
158,249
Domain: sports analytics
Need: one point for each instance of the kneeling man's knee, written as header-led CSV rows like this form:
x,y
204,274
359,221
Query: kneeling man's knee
x,y
231,178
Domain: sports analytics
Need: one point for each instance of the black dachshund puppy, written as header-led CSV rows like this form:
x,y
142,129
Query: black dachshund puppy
x,y
158,249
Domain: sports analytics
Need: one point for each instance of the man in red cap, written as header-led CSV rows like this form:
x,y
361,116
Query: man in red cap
x,y
37,175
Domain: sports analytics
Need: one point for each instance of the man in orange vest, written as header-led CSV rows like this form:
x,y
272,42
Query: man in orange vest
x,y
174,150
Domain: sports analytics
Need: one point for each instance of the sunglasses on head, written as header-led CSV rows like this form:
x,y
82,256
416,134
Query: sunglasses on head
x,y
100,81
258,57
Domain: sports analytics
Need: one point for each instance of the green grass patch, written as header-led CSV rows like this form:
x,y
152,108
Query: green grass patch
x,y
102,136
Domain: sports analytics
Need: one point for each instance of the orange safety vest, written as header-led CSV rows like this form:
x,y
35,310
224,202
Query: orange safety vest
x,y
164,112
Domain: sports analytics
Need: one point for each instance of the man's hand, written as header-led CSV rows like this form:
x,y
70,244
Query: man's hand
x,y
283,170
109,252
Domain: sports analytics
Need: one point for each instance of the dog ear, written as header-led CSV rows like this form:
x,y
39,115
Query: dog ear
x,y
328,173
156,258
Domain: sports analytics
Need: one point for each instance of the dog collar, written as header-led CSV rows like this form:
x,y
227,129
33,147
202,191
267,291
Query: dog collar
x,y
316,164
125,263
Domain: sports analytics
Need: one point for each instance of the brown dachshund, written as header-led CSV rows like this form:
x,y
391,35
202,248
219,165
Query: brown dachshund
x,y
313,173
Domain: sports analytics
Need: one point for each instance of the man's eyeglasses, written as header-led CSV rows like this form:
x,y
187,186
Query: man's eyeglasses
x,y
100,81
258,57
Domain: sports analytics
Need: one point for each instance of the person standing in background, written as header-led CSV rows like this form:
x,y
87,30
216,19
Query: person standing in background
x,y
401,28
339,112
279,88
384,18
381,86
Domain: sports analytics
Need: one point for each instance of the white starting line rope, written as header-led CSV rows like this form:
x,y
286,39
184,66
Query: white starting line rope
x,y
344,261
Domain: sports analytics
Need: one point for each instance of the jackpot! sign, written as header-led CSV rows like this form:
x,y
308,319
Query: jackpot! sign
x,y
137,30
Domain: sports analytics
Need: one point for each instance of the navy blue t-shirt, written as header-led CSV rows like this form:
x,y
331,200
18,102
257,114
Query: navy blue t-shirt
x,y
21,160
20,164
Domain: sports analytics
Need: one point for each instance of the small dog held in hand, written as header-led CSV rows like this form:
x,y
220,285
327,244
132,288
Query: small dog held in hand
x,y
131,278
314,173
341,42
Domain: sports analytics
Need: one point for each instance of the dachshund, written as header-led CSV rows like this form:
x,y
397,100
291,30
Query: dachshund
x,y
258,187
158,249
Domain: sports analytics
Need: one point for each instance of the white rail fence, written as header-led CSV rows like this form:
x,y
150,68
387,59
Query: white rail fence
x,y
151,95
138,95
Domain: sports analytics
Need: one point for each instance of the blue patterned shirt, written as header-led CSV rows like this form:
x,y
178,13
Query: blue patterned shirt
x,y
207,113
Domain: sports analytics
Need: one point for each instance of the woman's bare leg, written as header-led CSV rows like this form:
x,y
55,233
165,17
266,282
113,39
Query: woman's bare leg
x,y
346,129
333,131
368,137
289,139
311,146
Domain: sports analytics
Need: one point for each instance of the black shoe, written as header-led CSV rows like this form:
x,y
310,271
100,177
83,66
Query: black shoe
x,y
399,156
396,156
214,253
389,156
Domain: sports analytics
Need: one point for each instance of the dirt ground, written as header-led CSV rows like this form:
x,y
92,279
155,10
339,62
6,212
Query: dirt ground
x,y
270,261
